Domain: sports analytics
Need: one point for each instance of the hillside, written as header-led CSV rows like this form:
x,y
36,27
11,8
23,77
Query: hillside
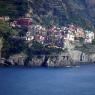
x,y
13,8
60,12
48,12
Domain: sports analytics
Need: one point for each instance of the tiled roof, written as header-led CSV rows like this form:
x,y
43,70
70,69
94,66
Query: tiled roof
x,y
24,22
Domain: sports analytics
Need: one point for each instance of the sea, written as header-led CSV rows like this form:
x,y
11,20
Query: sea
x,y
79,80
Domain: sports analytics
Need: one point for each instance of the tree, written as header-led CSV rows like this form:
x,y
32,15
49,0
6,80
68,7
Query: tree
x,y
93,42
13,8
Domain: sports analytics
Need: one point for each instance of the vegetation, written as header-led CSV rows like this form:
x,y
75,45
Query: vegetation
x,y
10,46
13,8
93,42
64,12
71,11
38,49
5,29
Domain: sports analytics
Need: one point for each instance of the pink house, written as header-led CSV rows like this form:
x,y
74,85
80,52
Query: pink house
x,y
24,22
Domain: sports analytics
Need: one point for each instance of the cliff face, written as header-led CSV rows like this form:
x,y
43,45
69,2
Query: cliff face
x,y
61,60
73,58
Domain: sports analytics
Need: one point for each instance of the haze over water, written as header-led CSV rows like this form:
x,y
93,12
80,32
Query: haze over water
x,y
48,81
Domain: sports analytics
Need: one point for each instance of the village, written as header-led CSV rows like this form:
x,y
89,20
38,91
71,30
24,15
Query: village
x,y
54,36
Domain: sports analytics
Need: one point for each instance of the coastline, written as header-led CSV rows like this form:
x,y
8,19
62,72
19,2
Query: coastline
x,y
63,59
75,65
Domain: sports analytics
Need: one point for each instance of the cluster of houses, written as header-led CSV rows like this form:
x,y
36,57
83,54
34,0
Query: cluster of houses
x,y
58,36
54,36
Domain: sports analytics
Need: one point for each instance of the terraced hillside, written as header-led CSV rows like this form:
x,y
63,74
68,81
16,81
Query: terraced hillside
x,y
81,12
48,12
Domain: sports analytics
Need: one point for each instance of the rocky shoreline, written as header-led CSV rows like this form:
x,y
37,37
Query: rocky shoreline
x,y
66,59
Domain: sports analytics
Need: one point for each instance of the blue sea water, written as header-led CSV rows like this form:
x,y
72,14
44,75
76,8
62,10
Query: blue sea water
x,y
48,81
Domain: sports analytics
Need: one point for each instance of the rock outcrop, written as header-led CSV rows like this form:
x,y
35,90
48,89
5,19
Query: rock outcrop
x,y
79,56
60,60
18,59
36,61
63,59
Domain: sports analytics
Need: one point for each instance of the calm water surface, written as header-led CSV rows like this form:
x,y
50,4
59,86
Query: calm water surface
x,y
48,81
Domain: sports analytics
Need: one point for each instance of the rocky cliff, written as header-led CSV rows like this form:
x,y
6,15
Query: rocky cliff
x,y
64,59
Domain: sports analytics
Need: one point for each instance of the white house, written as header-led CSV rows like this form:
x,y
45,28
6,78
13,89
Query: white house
x,y
89,36
4,18
70,36
79,32
42,39
29,38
